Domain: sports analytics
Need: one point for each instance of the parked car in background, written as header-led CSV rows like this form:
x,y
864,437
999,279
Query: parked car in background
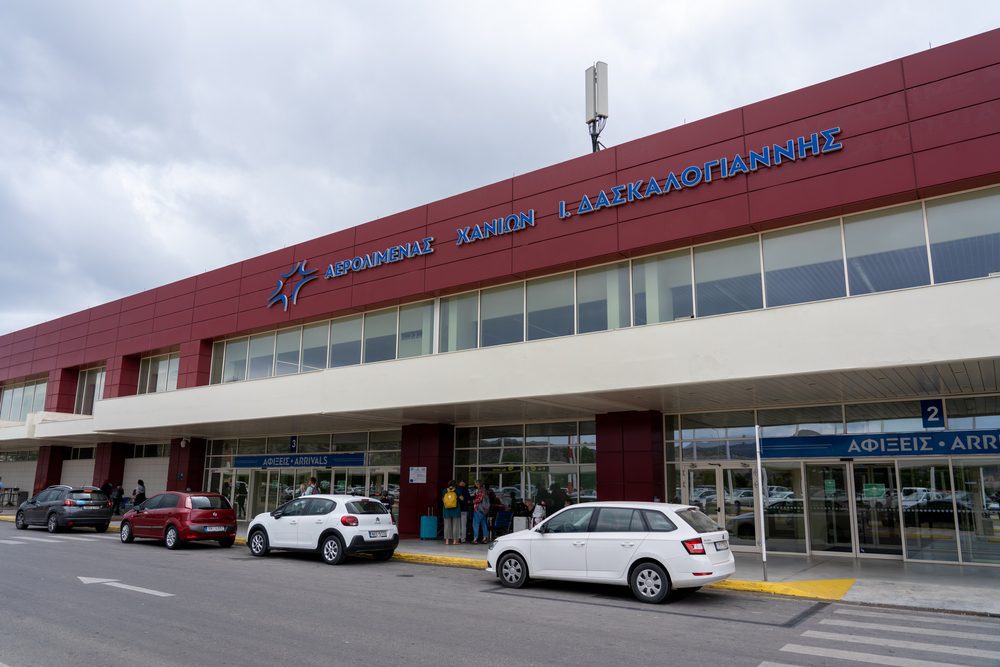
x,y
653,548
335,526
177,517
63,506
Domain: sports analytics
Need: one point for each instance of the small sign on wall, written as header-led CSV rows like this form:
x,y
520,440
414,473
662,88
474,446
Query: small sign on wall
x,y
418,474
932,413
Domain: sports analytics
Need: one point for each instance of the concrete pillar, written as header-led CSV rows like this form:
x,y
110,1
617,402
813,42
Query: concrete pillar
x,y
630,456
60,395
122,377
109,463
48,470
430,446
195,364
186,468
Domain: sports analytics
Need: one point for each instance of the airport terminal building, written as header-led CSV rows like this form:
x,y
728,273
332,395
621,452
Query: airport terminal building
x,y
824,264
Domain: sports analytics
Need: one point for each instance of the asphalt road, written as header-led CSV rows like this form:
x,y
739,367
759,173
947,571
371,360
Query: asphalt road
x,y
227,608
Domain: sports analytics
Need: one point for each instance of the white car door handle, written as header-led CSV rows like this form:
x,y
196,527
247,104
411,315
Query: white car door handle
x,y
628,544
293,522
579,544
319,520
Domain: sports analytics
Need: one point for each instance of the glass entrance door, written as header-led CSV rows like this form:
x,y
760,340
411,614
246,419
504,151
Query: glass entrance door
x,y
829,508
875,510
727,494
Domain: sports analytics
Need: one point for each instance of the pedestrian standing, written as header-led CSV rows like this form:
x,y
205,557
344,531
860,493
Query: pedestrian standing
x,y
480,514
465,504
140,493
452,513
536,512
116,499
313,488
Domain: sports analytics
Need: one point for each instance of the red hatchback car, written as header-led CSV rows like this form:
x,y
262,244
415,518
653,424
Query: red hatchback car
x,y
177,517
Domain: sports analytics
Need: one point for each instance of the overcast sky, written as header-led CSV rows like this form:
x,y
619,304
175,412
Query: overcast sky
x,y
144,142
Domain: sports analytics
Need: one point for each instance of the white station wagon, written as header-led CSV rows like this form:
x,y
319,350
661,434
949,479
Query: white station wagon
x,y
651,547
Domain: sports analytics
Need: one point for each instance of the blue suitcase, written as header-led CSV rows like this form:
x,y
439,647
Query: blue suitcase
x,y
428,527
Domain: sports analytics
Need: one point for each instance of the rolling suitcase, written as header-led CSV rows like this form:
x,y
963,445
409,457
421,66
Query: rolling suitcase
x,y
428,526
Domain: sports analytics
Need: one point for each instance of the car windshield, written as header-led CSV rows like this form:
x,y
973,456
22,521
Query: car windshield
x,y
83,494
366,506
700,522
210,503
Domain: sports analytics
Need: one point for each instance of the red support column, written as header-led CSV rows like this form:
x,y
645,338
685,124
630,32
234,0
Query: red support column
x,y
186,468
430,446
48,470
195,364
630,456
122,378
60,395
109,463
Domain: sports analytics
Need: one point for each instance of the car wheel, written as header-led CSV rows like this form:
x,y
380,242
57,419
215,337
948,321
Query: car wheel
x,y
103,528
649,583
19,522
513,571
332,550
126,532
227,542
258,543
383,555
172,539
53,523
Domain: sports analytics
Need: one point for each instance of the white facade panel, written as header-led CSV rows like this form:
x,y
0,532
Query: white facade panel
x,y
153,471
18,474
78,473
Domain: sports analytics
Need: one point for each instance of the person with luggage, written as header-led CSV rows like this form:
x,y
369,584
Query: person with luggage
x,y
452,513
465,504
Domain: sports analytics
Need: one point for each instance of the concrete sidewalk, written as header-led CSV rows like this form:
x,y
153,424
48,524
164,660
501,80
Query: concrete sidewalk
x,y
959,588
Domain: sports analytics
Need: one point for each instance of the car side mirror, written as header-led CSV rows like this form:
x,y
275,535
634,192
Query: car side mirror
x,y
276,514
541,529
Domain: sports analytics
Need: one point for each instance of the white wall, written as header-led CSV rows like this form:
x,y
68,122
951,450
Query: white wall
x,y
20,474
153,471
78,473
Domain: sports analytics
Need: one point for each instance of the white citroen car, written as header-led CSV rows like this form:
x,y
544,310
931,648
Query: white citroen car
x,y
334,526
651,547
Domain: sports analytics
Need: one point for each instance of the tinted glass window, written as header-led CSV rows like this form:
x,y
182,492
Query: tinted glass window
x,y
96,496
698,521
152,503
619,520
169,500
314,339
965,235
261,356
236,361
287,352
459,322
575,520
366,506
727,277
661,288
416,329
886,250
658,521
550,307
345,341
804,264
47,495
502,315
318,506
210,502
380,335
293,508
602,298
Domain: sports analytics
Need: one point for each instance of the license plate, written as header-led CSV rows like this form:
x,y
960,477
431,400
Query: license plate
x,y
722,546
215,529
378,533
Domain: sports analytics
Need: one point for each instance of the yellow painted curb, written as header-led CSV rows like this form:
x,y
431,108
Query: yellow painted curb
x,y
449,561
6,518
817,589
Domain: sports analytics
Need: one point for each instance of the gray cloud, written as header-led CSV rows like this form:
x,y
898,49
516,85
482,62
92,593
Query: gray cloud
x,y
144,142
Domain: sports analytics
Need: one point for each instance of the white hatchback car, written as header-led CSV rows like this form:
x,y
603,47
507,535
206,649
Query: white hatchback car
x,y
651,547
335,526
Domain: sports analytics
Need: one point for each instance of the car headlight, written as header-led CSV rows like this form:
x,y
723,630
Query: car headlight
x,y
492,544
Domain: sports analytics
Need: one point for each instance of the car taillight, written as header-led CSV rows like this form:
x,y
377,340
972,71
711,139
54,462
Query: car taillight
x,y
694,547
393,519
349,520
69,503
107,504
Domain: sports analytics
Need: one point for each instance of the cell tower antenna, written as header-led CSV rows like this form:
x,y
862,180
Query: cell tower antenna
x,y
596,87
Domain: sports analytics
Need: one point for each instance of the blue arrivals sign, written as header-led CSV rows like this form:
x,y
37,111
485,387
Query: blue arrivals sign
x,y
941,443
300,461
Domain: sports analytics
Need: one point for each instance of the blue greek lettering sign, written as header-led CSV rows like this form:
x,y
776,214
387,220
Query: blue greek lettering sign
x,y
299,461
941,443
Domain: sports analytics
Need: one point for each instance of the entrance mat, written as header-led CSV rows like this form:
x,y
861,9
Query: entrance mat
x,y
816,589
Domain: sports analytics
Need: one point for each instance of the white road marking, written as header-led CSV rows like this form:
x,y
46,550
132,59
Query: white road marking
x,y
898,643
38,539
870,658
77,539
934,632
766,663
909,618
104,537
10,542
117,584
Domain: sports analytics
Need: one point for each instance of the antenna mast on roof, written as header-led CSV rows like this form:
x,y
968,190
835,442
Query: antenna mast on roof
x,y
596,86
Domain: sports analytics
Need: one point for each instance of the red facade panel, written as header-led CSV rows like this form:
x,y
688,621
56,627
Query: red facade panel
x,y
951,59
970,163
953,93
956,126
